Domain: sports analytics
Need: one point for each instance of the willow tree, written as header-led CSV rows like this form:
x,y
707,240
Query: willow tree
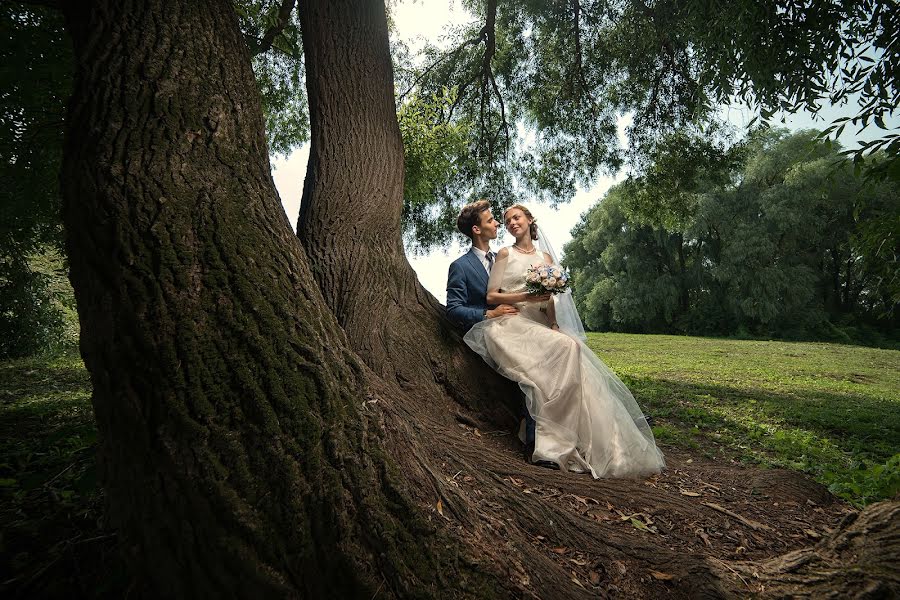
x,y
279,415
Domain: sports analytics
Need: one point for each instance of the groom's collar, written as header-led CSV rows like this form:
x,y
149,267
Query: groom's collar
x,y
479,253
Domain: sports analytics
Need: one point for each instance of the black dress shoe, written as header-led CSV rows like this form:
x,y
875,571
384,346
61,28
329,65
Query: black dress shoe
x,y
646,419
527,450
547,464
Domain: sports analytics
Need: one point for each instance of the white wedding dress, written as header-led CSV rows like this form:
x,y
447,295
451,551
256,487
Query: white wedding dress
x,y
586,419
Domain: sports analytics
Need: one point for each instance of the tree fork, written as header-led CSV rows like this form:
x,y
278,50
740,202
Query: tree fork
x,y
234,456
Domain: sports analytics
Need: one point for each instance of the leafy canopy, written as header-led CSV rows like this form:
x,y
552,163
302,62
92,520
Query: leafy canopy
x,y
541,85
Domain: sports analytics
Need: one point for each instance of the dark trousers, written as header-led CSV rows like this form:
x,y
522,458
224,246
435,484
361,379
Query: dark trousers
x,y
529,426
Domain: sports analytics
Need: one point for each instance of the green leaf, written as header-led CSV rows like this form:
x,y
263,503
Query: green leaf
x,y
640,525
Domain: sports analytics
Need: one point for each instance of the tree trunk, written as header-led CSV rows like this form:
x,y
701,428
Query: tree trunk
x,y
350,215
684,289
246,450
233,452
848,285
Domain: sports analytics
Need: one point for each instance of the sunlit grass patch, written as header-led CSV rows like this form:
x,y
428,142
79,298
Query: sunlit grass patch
x,y
829,410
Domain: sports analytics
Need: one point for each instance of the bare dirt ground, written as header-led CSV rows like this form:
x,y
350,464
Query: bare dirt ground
x,y
706,527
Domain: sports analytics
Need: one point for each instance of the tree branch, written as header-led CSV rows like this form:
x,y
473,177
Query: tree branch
x,y
576,17
284,15
490,47
452,54
504,126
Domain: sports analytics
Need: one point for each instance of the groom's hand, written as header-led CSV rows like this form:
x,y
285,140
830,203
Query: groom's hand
x,y
502,310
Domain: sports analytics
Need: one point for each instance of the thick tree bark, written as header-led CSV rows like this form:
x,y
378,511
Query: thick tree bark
x,y
350,216
246,450
233,453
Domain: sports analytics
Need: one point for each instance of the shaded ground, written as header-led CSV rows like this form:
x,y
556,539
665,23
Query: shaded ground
x,y
53,541
706,526
720,511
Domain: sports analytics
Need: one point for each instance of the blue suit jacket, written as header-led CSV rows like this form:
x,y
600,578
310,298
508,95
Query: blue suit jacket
x,y
467,290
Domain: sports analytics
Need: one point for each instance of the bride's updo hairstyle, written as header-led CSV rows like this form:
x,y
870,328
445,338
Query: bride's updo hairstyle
x,y
532,227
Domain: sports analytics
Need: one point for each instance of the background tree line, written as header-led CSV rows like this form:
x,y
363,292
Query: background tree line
x,y
37,308
772,236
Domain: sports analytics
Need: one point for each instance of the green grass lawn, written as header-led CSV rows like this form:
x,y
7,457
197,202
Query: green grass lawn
x,y
51,510
830,410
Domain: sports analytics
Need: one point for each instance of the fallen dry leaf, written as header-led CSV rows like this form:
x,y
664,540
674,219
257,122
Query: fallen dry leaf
x,y
560,550
705,537
661,576
584,501
440,508
594,576
599,516
689,493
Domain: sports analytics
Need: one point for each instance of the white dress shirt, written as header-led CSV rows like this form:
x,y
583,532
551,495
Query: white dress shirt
x,y
482,256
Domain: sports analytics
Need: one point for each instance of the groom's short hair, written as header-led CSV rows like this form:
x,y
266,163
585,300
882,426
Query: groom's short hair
x,y
470,216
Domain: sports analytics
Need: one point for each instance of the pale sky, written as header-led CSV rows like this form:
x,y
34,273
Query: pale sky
x,y
424,20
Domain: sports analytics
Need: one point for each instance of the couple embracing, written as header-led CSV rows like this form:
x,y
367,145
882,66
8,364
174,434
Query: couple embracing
x,y
581,417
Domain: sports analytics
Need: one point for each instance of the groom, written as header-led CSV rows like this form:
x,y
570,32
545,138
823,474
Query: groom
x,y
468,279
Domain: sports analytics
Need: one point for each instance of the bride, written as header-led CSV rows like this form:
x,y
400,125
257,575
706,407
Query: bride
x,y
586,420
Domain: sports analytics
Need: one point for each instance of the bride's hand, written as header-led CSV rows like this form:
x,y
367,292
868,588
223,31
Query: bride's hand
x,y
538,298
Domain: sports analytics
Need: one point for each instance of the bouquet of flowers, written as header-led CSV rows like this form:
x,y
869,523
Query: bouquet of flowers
x,y
544,278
